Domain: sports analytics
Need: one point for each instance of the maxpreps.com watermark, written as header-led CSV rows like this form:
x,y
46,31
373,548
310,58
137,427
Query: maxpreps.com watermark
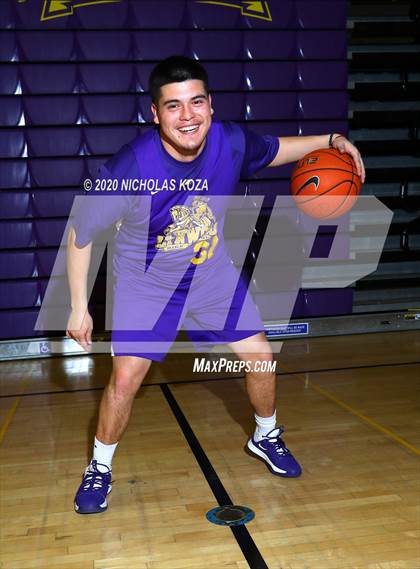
x,y
204,365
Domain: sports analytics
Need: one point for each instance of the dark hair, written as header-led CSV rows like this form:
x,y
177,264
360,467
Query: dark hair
x,y
175,69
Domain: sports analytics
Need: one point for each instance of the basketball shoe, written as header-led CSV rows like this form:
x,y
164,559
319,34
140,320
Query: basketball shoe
x,y
273,451
95,487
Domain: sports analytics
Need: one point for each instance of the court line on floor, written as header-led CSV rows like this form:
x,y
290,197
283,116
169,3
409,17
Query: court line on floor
x,y
204,379
241,533
11,412
36,393
9,418
365,418
350,409
346,368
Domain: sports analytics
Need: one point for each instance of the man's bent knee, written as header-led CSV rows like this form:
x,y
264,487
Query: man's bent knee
x,y
128,373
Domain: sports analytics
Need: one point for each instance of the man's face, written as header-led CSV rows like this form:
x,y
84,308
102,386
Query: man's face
x,y
183,114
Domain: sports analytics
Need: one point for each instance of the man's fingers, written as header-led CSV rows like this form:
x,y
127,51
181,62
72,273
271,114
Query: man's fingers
x,y
89,335
360,168
84,339
84,342
349,148
76,336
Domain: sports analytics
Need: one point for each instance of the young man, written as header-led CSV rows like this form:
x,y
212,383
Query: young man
x,y
179,229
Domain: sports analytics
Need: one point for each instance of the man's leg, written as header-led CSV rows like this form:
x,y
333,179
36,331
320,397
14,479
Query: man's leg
x,y
127,375
261,386
266,443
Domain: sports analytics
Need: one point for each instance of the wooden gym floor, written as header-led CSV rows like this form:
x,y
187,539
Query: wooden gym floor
x,y
350,407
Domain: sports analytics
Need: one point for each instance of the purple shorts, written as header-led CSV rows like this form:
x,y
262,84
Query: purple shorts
x,y
210,315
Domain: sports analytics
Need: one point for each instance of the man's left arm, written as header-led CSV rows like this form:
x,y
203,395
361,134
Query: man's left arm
x,y
293,148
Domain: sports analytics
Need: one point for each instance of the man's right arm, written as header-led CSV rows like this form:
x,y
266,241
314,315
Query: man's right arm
x,y
80,324
93,214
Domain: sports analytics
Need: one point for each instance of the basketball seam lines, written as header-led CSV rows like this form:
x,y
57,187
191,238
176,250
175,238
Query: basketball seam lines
x,y
331,214
310,198
319,169
327,151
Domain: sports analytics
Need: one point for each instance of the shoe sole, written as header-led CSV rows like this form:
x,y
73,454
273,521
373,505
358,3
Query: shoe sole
x,y
87,512
255,452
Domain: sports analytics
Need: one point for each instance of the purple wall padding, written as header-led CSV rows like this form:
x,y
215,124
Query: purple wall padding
x,y
72,92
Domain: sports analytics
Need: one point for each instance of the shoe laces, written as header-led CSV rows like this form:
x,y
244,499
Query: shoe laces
x,y
273,437
94,479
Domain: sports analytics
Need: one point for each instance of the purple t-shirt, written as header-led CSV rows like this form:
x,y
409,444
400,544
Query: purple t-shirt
x,y
169,211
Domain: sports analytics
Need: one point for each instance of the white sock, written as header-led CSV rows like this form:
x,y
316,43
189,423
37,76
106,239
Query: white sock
x,y
103,453
264,426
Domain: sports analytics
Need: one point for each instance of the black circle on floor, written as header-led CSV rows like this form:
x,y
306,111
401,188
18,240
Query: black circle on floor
x,y
230,515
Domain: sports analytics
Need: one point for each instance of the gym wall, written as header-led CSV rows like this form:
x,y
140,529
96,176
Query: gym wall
x,y
73,90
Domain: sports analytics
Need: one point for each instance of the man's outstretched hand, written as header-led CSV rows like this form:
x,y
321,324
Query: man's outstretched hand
x,y
341,144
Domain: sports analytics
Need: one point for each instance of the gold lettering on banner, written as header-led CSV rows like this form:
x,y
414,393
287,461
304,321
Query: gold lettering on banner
x,y
248,8
61,8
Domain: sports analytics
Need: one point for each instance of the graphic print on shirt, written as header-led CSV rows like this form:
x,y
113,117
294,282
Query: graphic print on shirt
x,y
192,225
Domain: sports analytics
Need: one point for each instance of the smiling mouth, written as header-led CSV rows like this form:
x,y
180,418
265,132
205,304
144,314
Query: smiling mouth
x,y
189,129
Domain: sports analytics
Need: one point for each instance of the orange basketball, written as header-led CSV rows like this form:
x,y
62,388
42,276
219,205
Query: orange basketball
x,y
325,183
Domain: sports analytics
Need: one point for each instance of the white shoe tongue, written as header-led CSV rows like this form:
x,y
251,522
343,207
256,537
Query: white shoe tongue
x,y
102,468
274,433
